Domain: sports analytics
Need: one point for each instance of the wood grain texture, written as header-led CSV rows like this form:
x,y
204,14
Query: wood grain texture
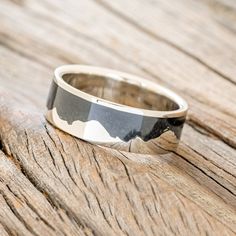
x,y
54,184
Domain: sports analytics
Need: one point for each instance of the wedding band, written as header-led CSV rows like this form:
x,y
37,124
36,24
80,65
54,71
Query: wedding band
x,y
115,109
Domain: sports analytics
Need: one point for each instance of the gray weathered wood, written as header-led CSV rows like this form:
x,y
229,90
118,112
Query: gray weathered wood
x,y
54,184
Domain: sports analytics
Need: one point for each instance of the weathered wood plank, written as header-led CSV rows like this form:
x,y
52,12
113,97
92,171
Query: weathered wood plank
x,y
40,74
206,41
26,211
78,188
220,124
123,193
176,70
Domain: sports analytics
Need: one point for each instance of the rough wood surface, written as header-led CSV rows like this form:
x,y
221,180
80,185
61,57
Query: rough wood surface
x,y
54,184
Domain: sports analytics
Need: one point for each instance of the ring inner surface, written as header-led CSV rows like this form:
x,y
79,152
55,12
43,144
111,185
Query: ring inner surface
x,y
120,92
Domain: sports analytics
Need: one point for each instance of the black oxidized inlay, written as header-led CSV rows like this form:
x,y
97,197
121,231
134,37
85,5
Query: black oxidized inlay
x,y
120,124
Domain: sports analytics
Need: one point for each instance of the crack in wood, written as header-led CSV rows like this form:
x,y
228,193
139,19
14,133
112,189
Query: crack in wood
x,y
204,172
194,123
18,216
135,24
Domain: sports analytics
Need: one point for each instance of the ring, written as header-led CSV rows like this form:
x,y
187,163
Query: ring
x,y
115,109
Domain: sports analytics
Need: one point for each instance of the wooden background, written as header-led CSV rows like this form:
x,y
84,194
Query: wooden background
x,y
54,184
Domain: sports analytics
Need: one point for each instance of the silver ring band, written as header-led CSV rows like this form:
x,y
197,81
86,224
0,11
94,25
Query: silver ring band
x,y
115,109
